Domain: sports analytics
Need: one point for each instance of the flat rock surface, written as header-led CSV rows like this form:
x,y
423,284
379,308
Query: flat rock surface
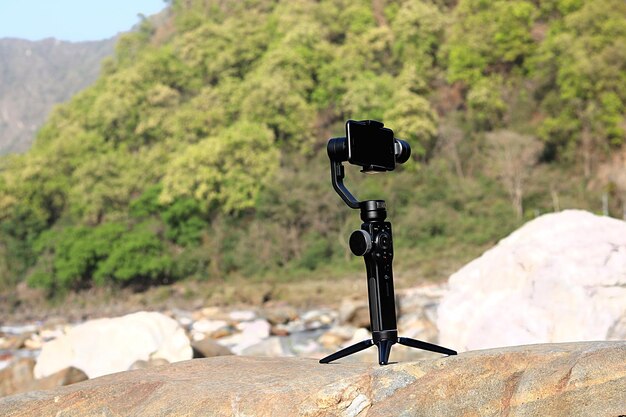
x,y
570,379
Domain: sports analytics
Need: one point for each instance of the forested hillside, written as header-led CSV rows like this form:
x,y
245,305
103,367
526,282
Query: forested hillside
x,y
200,151
34,76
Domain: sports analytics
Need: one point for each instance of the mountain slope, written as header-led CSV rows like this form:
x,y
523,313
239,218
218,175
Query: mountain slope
x,y
36,75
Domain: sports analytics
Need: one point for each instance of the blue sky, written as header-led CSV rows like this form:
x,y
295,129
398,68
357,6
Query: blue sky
x,y
72,20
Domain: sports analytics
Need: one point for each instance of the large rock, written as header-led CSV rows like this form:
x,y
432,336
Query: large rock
x,y
578,379
18,377
559,278
417,311
103,346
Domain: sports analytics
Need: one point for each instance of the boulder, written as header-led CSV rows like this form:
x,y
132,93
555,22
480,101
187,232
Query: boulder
x,y
355,311
103,346
141,364
337,336
242,315
19,377
273,346
207,348
559,278
251,333
13,342
281,314
211,328
573,380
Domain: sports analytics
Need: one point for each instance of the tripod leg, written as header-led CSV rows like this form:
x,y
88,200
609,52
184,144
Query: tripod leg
x,y
425,346
348,351
384,349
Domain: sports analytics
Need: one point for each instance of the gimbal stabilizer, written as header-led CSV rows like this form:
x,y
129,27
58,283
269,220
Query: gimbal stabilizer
x,y
374,240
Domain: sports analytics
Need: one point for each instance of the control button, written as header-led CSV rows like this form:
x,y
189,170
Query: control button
x,y
360,242
384,241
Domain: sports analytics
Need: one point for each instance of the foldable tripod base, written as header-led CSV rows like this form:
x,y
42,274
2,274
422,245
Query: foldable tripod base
x,y
384,348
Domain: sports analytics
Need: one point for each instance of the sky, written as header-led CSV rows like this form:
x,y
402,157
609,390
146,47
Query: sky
x,y
72,20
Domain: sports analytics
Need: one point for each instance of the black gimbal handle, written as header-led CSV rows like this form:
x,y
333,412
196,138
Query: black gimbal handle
x,y
375,243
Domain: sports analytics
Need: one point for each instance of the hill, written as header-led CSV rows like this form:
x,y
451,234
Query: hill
x,y
200,151
35,75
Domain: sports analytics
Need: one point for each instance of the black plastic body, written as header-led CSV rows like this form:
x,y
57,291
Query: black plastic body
x,y
370,145
375,243
339,151
378,266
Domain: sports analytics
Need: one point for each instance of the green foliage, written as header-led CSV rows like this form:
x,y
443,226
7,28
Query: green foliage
x,y
415,119
138,257
200,151
227,171
184,222
582,66
70,258
489,37
485,104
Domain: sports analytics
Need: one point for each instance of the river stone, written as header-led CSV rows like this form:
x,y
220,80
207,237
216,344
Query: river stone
x,y
273,346
279,314
103,346
205,327
573,380
18,377
207,348
354,311
559,278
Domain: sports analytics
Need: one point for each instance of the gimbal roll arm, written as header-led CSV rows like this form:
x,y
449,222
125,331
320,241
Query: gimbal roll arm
x,y
337,153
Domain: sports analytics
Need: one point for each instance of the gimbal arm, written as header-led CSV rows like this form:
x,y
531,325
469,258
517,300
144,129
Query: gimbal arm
x,y
338,152
337,174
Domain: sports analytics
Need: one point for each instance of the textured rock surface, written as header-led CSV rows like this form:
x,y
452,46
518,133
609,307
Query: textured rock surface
x,y
577,379
559,278
103,346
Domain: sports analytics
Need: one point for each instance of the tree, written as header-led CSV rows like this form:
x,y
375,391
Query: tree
x,y
581,68
512,156
226,171
414,120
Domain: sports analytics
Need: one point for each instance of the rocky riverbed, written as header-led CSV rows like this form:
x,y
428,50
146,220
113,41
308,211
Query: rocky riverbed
x,y
559,278
273,330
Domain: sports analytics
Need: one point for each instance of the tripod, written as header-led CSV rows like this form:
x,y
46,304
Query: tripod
x,y
374,242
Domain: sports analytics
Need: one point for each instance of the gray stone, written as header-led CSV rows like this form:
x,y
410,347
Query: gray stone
x,y
355,312
272,347
141,364
207,348
280,314
242,315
